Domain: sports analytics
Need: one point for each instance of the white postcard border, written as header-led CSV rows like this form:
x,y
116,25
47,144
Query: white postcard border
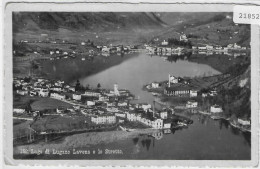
x,y
155,5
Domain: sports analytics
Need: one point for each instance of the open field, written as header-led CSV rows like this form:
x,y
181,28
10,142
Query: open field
x,y
48,103
59,123
38,103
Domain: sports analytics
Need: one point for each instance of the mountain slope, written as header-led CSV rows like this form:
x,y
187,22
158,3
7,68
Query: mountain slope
x,y
98,21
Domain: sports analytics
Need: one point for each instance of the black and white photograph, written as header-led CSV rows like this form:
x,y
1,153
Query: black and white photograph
x,y
109,85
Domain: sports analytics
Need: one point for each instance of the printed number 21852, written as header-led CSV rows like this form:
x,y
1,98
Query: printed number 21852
x,y
249,16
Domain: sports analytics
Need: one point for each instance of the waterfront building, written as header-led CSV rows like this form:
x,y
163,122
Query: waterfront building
x,y
157,124
243,122
218,48
202,48
177,91
216,109
209,47
165,43
155,85
191,104
163,114
172,79
167,123
236,46
104,119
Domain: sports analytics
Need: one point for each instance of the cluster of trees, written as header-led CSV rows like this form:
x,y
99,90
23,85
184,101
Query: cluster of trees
x,y
176,42
79,87
192,36
238,69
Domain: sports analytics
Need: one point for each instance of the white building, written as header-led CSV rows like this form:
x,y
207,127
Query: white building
x,y
120,114
72,89
204,94
76,96
105,49
146,106
56,88
163,115
213,93
103,119
122,104
57,96
230,46
90,103
193,93
243,122
155,85
216,109
191,104
92,94
44,92
60,110
22,92
157,124
116,92
236,46
183,38
209,47
202,48
172,79
20,111
131,116
166,124
165,43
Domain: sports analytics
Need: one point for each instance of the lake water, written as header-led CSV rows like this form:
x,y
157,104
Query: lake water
x,y
204,139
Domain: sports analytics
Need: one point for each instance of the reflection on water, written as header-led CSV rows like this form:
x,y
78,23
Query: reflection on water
x,y
204,139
